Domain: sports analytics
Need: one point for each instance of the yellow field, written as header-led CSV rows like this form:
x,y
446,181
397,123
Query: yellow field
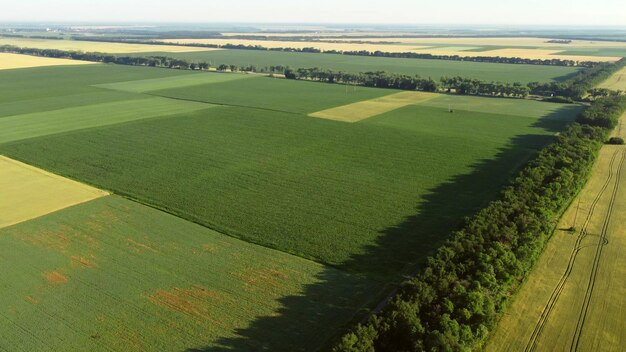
x,y
369,108
301,45
423,46
617,81
517,41
112,48
575,298
27,192
10,61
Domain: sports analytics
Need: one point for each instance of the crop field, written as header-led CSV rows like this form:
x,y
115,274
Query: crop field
x,y
367,108
112,274
433,46
12,61
28,192
574,297
235,213
258,168
37,124
355,64
101,47
617,81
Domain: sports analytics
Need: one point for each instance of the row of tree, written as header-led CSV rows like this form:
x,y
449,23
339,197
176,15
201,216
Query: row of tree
x,y
377,53
457,298
573,89
580,84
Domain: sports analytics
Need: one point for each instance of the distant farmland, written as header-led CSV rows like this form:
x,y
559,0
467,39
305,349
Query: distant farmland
x,y
422,67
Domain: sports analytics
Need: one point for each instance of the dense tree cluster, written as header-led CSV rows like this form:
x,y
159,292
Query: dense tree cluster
x,y
456,299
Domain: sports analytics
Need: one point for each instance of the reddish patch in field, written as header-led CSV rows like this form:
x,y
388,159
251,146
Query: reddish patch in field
x,y
262,277
55,277
208,247
140,246
83,262
195,301
31,299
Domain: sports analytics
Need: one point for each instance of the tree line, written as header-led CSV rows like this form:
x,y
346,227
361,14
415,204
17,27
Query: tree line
x,y
575,88
458,296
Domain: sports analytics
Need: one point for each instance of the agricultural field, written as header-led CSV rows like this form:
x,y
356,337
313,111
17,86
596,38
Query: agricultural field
x,y
112,274
355,64
13,61
252,164
617,81
28,192
574,297
101,47
215,211
530,48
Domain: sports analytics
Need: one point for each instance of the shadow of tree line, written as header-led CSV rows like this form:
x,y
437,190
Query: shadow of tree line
x,y
310,321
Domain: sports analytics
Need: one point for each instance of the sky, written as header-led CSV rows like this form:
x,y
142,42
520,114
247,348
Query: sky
x,y
484,12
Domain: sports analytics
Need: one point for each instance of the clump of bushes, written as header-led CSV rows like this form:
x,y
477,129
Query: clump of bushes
x,y
616,141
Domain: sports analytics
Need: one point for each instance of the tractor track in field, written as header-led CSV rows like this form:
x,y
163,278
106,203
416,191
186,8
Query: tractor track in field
x,y
596,260
531,346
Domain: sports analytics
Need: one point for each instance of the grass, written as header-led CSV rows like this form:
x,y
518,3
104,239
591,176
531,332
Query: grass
x,y
316,188
37,124
355,64
29,192
111,274
13,61
574,296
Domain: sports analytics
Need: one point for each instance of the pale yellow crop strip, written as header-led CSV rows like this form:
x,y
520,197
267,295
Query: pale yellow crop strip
x,y
27,192
12,61
365,109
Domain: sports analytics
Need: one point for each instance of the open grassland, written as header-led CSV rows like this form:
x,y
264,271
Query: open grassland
x,y
365,109
37,124
28,192
101,47
617,81
400,45
574,299
355,64
352,195
12,61
111,274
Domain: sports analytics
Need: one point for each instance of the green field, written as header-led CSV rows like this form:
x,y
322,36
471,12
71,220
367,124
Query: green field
x,y
351,195
115,275
239,155
37,124
355,64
